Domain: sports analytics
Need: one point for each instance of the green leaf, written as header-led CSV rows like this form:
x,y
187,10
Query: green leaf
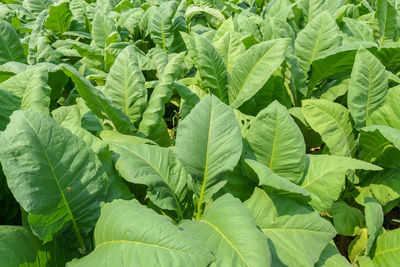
x,y
230,47
312,8
336,91
368,87
161,25
336,62
53,174
253,69
227,26
19,248
277,142
274,182
67,116
359,29
347,220
332,122
31,86
156,167
36,6
190,99
213,16
325,178
274,89
331,257
26,90
209,64
10,45
389,55
117,189
144,238
125,85
152,121
238,244
387,250
383,186
116,137
373,219
311,138
216,148
98,103
321,34
389,112
59,18
284,222
357,246
380,145
386,16
9,103
102,27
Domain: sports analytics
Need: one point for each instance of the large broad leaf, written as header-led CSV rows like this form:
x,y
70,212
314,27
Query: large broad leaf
x,y
59,18
230,47
386,16
312,8
26,90
144,238
383,186
9,103
277,142
274,183
31,87
359,29
321,34
389,55
161,25
227,26
368,87
213,16
98,103
253,69
228,229
279,9
156,167
332,122
209,64
102,27
190,99
10,45
216,148
387,250
326,175
153,123
53,174
389,112
36,6
373,219
117,189
20,248
347,220
336,62
274,89
380,145
284,222
125,85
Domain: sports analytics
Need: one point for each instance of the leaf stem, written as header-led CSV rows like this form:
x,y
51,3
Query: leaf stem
x,y
79,236
203,187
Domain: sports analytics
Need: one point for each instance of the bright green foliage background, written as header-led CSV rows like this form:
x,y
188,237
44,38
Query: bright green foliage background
x,y
199,133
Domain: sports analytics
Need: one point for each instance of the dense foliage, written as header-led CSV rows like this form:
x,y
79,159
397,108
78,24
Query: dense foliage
x,y
199,133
